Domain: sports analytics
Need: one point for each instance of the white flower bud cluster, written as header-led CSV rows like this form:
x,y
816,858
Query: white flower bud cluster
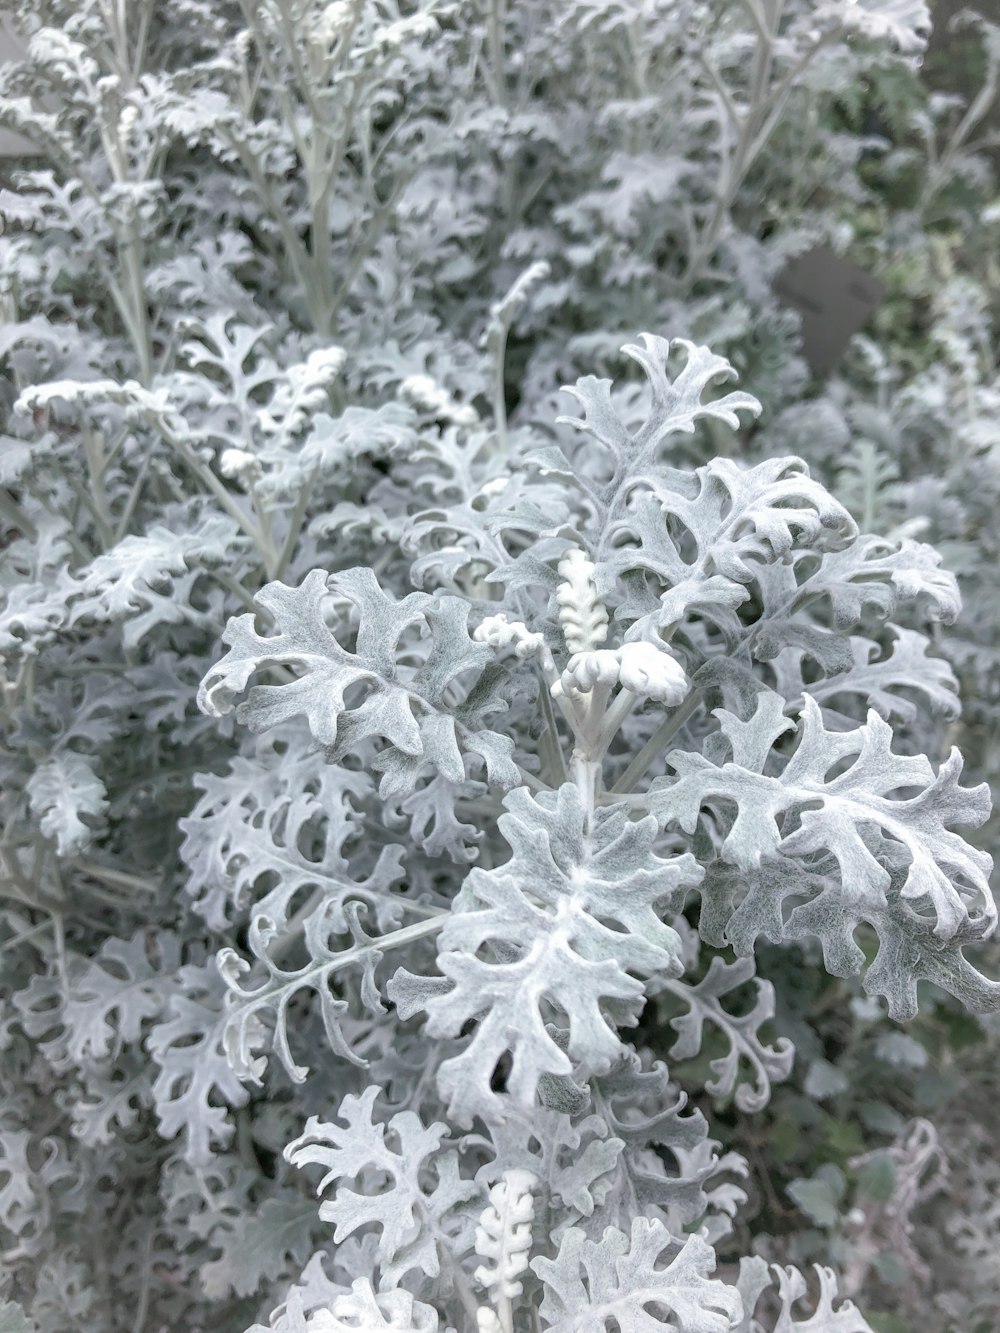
x,y
335,19
239,464
642,668
326,362
127,122
414,28
585,670
503,1236
507,309
583,618
652,673
306,392
424,392
499,633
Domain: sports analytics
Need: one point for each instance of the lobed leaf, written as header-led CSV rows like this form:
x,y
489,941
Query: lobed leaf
x,y
405,1184
703,1001
565,929
624,1278
408,707
703,537
754,1281
194,1076
676,404
63,793
857,815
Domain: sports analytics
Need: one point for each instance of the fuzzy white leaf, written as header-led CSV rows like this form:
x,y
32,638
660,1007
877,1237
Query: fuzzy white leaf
x,y
945,872
405,706
545,915
366,1311
422,1180
64,792
627,1281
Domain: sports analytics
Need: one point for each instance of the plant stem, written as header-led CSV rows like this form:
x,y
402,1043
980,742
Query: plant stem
x,y
550,739
665,732
498,63
295,521
16,516
212,483
118,878
97,496
754,127
620,708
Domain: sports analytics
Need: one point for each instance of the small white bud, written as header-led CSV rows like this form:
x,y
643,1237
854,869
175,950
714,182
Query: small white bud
x,y
506,310
328,361
238,463
652,673
585,670
501,633
584,619
127,122
648,671
335,19
420,390
425,393
417,27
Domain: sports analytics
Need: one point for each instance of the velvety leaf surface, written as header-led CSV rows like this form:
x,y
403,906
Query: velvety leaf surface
x,y
404,706
626,1279
571,923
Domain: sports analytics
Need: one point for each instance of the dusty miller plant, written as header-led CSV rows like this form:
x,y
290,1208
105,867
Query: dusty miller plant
x,y
541,729
603,614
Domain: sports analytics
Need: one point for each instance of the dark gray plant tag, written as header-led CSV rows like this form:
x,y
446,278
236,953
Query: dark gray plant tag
x,y
834,297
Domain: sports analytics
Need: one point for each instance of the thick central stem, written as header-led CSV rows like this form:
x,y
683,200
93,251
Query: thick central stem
x,y
587,776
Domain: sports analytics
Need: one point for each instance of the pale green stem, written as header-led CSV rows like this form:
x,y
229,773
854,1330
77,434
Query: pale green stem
x,y
620,708
237,589
25,935
16,516
295,522
550,739
498,348
212,483
267,548
118,878
587,776
660,738
529,780
97,498
498,61
940,170
133,498
136,316
142,1305
754,127
590,709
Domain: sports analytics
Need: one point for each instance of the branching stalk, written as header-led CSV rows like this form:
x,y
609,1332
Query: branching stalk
x,y
659,740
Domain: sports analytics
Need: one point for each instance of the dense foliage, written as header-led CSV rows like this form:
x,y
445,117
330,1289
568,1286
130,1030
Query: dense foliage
x,y
530,817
